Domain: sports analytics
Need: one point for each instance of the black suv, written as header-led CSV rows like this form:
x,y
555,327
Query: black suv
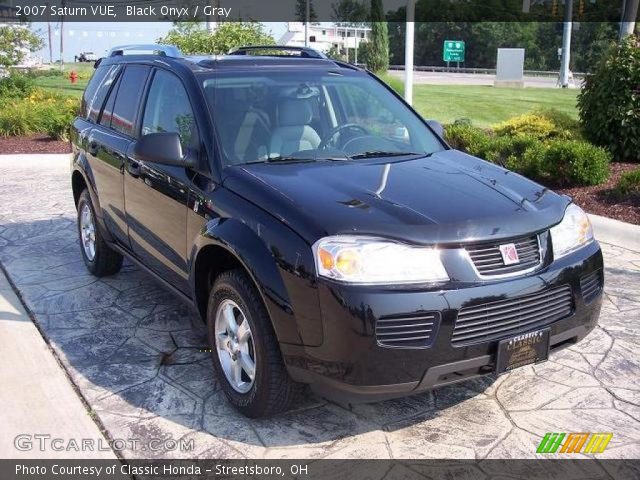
x,y
325,232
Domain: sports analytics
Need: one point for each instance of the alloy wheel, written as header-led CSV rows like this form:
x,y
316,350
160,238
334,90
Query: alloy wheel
x,y
235,347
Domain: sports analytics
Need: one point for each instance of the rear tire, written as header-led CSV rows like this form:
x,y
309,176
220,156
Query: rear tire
x,y
271,390
100,259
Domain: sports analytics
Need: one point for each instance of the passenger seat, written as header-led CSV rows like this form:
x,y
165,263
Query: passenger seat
x,y
293,133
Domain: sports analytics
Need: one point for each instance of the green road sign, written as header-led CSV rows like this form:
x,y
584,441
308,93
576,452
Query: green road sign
x,y
453,51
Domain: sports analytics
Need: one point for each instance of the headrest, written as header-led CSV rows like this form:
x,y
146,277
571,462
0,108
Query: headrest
x,y
294,112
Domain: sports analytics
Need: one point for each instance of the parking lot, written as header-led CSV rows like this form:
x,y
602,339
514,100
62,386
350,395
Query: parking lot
x,y
135,354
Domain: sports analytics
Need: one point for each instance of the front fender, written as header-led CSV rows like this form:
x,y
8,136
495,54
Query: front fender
x,y
271,259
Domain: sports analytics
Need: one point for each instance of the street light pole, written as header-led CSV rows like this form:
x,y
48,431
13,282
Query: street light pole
x,y
563,80
408,52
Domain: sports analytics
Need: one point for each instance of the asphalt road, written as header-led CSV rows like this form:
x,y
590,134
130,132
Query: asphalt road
x,y
449,78
135,354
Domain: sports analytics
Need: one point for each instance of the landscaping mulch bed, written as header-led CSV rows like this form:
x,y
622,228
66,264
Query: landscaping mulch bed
x,y
601,199
37,143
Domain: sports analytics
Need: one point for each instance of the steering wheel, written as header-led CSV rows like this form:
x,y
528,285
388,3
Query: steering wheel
x,y
330,139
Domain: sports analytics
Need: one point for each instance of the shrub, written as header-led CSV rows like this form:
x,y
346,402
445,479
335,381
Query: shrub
x,y
40,112
566,125
542,124
465,137
530,125
609,103
15,85
573,162
628,184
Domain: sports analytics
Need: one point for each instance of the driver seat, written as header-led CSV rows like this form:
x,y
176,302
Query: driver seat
x,y
293,133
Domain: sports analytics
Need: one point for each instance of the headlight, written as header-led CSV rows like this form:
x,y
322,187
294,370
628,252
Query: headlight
x,y
368,260
572,232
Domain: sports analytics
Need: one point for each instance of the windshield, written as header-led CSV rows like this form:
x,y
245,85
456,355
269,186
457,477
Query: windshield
x,y
311,115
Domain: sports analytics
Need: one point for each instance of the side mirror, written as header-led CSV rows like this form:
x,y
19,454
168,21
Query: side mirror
x,y
163,147
437,127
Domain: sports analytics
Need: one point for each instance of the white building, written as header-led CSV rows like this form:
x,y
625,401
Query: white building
x,y
324,37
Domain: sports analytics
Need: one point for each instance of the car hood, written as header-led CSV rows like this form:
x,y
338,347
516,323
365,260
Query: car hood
x,y
447,198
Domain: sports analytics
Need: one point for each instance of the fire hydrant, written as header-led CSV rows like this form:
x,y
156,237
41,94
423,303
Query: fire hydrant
x,y
73,76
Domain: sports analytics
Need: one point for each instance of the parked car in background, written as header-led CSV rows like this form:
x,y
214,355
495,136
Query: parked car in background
x,y
325,232
86,57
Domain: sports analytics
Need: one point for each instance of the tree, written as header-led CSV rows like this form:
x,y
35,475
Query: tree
x,y
609,103
16,41
192,38
349,13
378,60
301,11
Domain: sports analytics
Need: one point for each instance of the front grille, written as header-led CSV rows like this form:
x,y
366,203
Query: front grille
x,y
488,260
590,285
490,321
408,331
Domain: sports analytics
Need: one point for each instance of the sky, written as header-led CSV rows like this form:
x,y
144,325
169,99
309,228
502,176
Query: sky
x,y
99,37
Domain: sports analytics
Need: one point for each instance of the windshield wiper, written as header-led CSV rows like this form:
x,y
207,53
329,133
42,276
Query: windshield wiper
x,y
383,153
290,158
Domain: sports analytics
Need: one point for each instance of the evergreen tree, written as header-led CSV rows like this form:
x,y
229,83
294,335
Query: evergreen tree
x,y
378,58
301,11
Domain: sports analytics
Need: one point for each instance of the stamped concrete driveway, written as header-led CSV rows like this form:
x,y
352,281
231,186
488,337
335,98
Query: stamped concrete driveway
x,y
134,352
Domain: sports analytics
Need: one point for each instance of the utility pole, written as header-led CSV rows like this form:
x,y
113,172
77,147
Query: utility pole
x,y
306,23
408,52
563,79
50,46
212,20
628,20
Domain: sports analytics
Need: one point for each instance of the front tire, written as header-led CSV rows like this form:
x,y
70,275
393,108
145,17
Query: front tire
x,y
245,351
100,259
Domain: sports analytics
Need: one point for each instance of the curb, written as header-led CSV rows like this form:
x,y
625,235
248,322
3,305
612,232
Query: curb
x,y
615,232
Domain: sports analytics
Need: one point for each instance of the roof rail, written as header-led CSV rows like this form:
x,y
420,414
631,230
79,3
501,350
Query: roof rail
x,y
152,49
304,52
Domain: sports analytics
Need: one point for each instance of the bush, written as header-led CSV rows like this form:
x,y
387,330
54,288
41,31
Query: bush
x,y
541,124
40,112
609,103
15,85
561,161
529,125
572,162
566,126
467,138
628,184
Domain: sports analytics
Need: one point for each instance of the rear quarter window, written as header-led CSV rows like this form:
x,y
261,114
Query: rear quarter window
x,y
97,90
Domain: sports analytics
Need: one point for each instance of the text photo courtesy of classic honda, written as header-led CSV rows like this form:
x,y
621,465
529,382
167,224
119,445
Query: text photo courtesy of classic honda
x,y
325,232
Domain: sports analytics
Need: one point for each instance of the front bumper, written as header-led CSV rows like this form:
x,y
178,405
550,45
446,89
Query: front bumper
x,y
351,366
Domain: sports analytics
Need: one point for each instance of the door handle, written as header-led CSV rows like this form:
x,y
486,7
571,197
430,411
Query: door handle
x,y
93,148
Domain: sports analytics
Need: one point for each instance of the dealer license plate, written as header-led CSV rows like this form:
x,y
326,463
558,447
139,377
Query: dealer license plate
x,y
525,349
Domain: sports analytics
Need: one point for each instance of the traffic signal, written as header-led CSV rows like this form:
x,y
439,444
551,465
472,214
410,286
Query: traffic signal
x,y
581,8
554,8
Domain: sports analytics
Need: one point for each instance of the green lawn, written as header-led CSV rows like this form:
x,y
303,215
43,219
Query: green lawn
x,y
483,105
62,84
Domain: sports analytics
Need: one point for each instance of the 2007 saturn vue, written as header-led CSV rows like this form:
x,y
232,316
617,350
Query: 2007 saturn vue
x,y
324,231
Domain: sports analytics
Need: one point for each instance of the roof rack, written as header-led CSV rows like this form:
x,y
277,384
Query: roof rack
x,y
304,52
152,49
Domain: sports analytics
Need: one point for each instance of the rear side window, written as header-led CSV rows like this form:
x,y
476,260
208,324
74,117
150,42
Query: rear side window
x,y
126,104
168,110
97,91
107,112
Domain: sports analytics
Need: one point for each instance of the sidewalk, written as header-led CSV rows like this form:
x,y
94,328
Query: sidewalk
x,y
36,398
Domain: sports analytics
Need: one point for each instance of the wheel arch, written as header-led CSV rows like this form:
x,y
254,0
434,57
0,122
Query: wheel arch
x,y
229,243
